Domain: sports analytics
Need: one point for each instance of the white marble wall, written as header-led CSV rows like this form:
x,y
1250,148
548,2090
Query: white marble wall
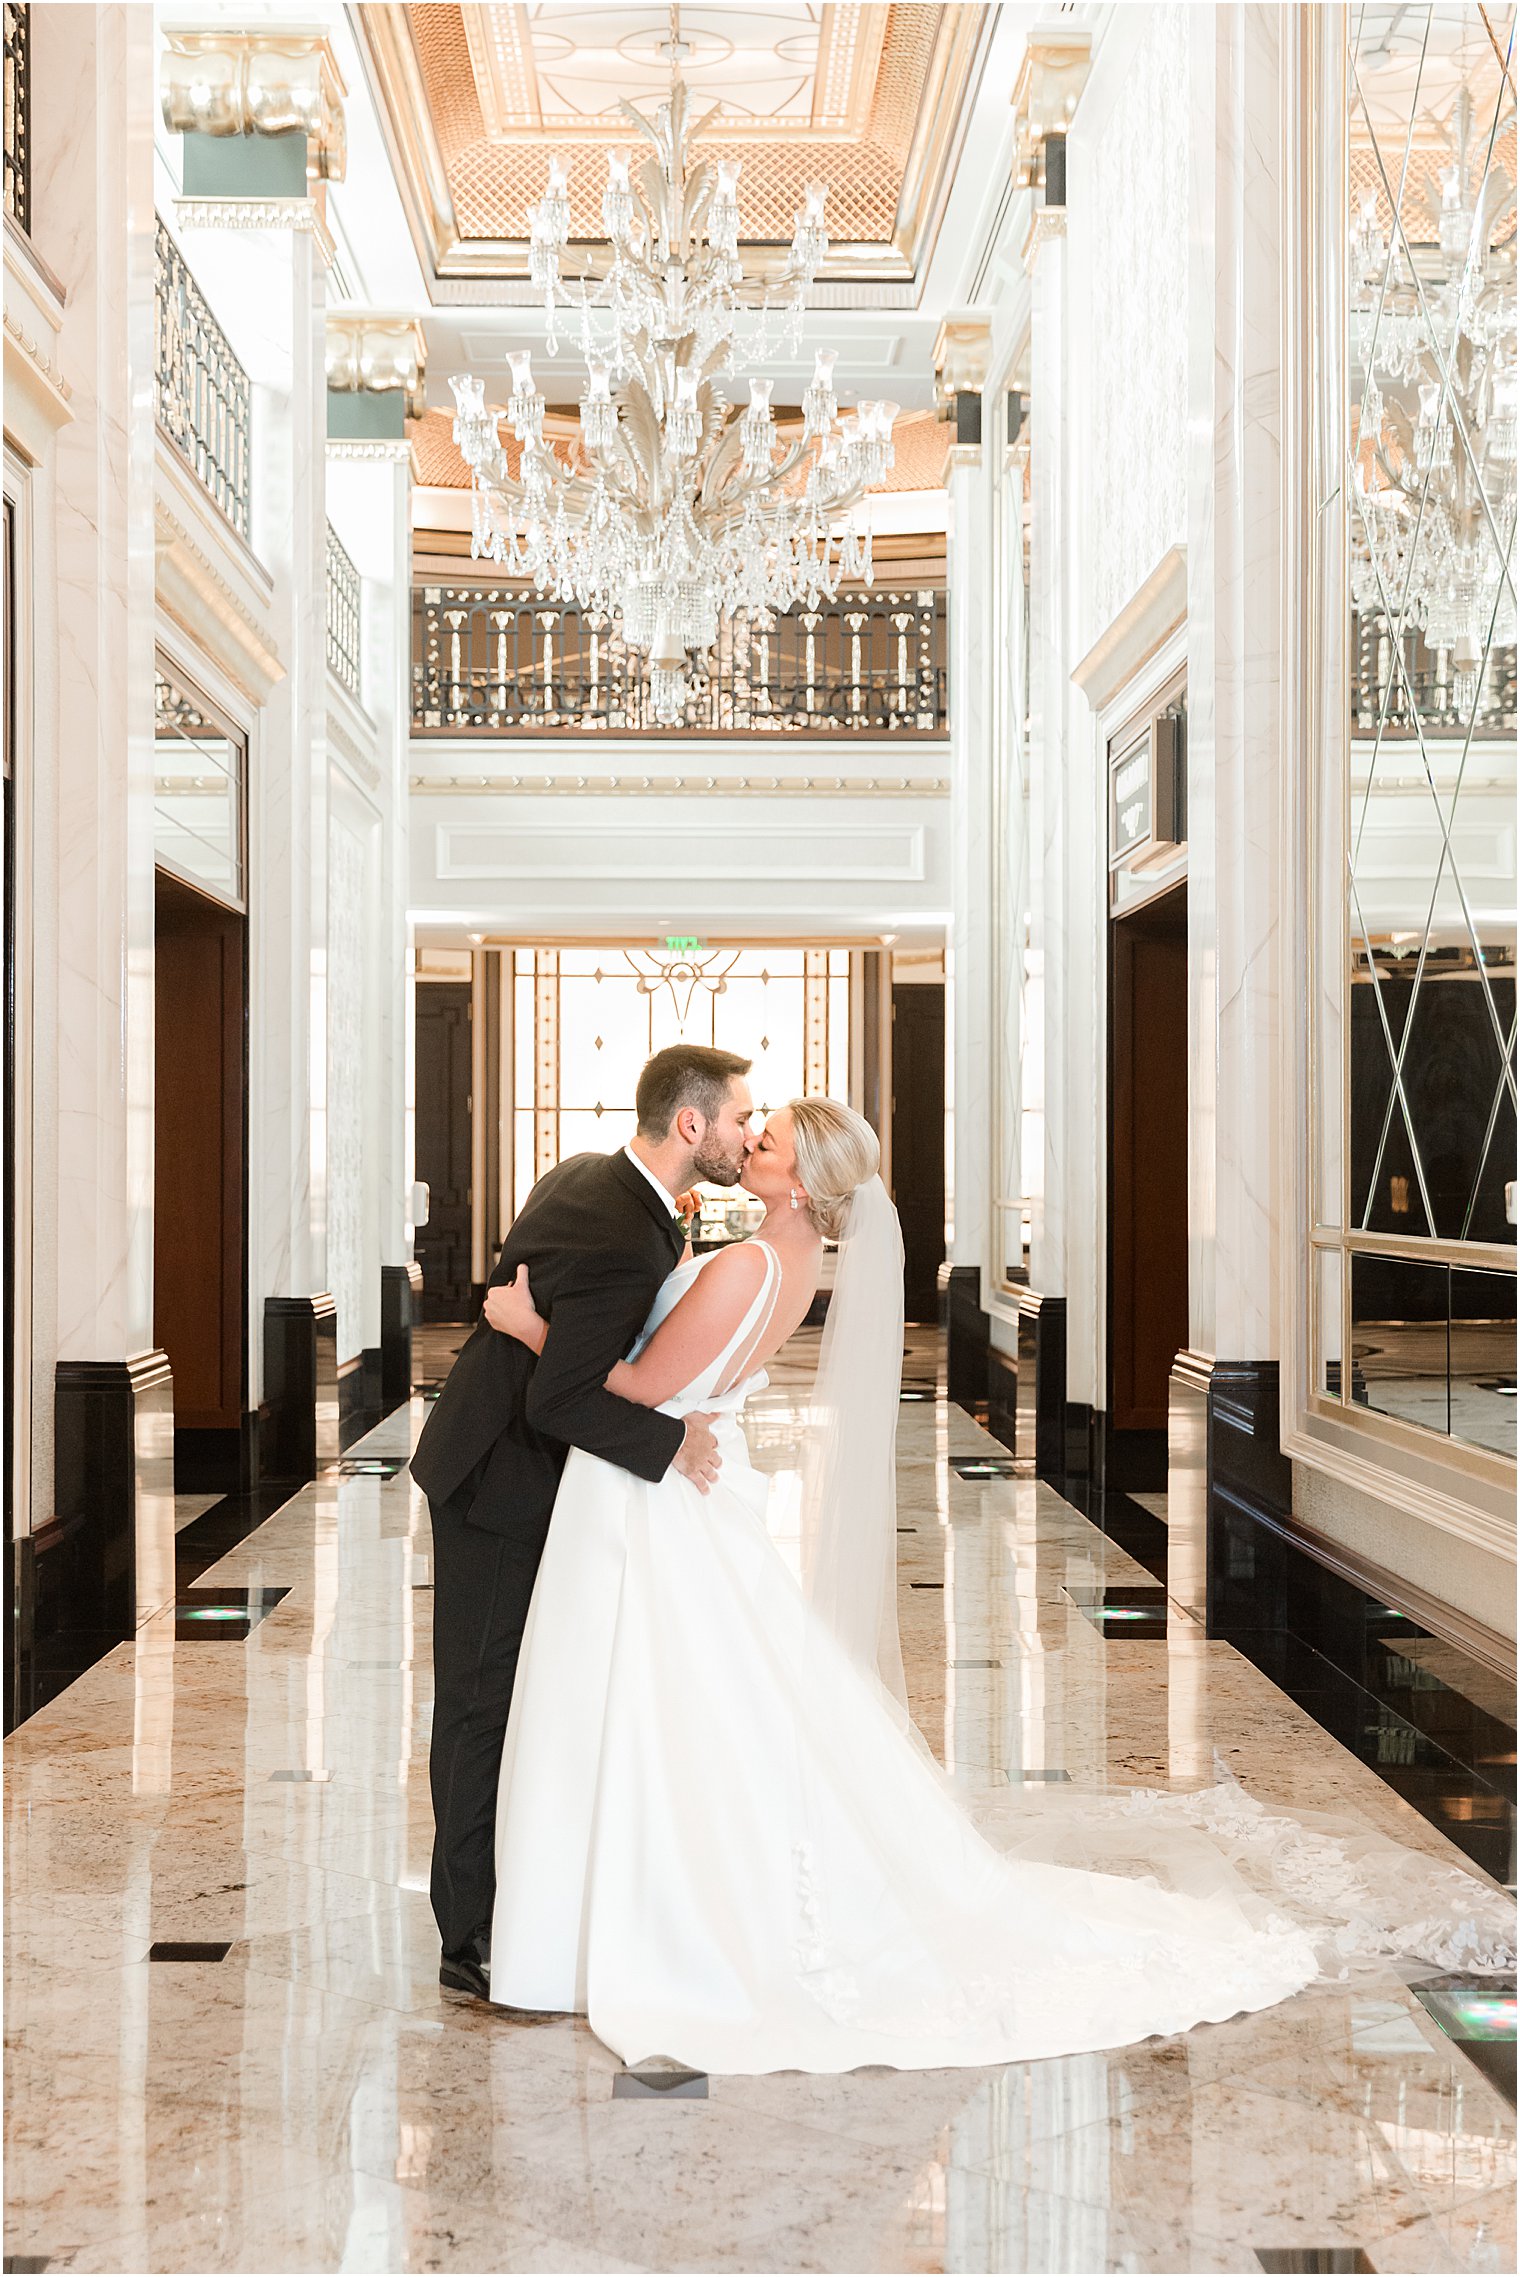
x,y
1234,758
93,203
369,502
262,270
1153,364
1130,146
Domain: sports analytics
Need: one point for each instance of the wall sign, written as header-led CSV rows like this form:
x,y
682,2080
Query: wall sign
x,y
1146,794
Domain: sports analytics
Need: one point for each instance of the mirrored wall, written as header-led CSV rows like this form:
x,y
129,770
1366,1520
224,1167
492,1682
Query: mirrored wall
x,y
1416,854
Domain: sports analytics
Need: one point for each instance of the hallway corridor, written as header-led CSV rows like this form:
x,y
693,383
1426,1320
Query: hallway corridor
x,y
228,2050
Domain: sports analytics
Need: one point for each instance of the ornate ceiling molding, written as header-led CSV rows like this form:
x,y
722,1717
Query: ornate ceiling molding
x,y
466,194
236,82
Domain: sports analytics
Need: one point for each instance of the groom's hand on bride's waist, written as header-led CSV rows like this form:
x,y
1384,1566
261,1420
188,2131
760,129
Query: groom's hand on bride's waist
x,y
697,1457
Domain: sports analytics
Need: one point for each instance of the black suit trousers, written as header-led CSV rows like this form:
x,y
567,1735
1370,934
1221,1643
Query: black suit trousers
x,y
482,1588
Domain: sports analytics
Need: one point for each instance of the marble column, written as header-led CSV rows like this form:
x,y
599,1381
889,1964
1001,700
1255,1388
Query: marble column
x,y
262,264
1234,627
960,358
969,567
1049,647
1223,1428
369,493
92,100
1040,1435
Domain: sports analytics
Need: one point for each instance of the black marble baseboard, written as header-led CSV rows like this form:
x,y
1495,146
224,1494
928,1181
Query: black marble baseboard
x,y
967,1336
1003,1397
75,1581
1041,1435
360,1401
400,1311
299,1426
1347,1646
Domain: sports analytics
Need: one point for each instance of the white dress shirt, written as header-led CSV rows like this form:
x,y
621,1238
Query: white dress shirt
x,y
663,1191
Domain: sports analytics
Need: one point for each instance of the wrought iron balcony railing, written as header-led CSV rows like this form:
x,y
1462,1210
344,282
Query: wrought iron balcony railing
x,y
493,660
18,114
1403,688
342,613
204,399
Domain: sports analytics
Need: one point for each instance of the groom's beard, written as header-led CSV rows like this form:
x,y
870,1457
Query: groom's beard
x,y
720,1169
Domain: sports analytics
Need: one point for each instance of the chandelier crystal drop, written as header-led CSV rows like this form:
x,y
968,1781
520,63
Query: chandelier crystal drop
x,y
670,505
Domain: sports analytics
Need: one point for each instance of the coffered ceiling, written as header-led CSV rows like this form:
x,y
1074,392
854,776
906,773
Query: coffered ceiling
x,y
871,99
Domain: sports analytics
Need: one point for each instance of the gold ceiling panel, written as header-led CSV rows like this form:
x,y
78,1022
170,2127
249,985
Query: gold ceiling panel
x,y
870,99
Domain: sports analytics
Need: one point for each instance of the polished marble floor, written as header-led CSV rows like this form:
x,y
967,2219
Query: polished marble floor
x,y
296,2094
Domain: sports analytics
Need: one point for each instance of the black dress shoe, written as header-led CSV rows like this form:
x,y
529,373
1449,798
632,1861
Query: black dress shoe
x,y
470,1970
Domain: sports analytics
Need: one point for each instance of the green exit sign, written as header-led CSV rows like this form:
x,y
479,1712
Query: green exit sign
x,y
683,943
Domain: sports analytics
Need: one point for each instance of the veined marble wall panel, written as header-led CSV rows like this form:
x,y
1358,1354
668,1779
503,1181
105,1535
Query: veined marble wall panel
x,y
1136,119
369,505
92,160
680,864
351,1264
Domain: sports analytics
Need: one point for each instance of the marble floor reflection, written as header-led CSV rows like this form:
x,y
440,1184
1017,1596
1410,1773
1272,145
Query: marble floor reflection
x,y
309,2101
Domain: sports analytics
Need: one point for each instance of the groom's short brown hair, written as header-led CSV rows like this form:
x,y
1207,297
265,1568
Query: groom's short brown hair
x,y
684,1075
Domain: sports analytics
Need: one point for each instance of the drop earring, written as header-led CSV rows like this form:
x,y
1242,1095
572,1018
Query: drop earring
x,y
794,1198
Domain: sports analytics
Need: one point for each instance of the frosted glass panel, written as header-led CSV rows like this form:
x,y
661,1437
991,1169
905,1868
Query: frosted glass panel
x,y
587,1019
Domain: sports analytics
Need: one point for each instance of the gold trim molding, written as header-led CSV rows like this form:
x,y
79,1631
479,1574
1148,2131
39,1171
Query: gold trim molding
x,y
962,351
226,83
1045,96
378,355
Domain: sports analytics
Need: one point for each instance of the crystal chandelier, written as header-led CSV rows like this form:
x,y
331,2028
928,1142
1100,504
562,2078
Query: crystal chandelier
x,y
677,509
1434,474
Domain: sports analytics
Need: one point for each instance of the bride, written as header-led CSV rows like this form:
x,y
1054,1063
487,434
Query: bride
x,y
718,1835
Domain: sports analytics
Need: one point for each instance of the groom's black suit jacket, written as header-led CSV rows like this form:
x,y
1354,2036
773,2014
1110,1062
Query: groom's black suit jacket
x,y
597,1241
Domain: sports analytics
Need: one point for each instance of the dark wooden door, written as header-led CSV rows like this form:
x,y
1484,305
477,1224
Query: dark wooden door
x,y
918,1139
199,1250
443,1146
1148,1286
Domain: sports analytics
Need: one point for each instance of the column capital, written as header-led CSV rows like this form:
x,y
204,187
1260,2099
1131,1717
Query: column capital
x,y
1045,94
1046,225
369,354
962,351
265,83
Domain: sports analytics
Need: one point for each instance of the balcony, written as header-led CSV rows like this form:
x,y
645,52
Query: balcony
x,y
496,660
204,398
342,613
18,115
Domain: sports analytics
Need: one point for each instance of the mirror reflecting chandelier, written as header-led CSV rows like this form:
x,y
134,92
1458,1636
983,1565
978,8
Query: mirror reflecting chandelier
x,y
1434,341
672,506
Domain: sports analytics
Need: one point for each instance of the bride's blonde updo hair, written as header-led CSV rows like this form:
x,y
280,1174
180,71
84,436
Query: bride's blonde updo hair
x,y
837,1150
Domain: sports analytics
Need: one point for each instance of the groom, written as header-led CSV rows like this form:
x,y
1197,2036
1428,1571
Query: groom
x,y
599,1233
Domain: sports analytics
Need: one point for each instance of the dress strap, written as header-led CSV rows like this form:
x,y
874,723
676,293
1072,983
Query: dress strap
x,y
733,1362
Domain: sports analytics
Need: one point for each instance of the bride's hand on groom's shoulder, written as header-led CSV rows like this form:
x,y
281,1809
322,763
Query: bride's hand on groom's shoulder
x,y
510,1309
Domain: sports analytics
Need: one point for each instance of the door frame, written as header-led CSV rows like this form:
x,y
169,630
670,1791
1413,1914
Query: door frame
x,y
196,675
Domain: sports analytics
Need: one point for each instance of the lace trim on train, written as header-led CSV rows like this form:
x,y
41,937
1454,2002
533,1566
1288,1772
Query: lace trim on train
x,y
1386,1902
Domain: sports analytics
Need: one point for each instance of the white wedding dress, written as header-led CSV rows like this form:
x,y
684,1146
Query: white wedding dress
x,y
716,1839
